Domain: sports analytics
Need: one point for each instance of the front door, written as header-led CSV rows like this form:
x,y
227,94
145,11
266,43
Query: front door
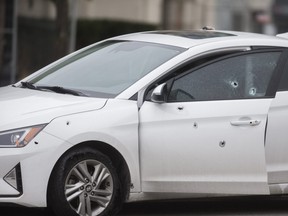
x,y
209,135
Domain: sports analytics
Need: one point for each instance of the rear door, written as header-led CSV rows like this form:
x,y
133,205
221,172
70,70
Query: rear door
x,y
277,138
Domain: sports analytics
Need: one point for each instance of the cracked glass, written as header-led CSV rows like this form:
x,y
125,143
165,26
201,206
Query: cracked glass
x,y
238,77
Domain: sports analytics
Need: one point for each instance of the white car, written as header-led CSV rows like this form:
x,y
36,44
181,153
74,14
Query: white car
x,y
153,115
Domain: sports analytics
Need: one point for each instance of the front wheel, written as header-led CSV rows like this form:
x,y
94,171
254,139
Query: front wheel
x,y
85,183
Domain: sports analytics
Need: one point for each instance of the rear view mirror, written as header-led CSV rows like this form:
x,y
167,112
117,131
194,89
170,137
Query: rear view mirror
x,y
159,94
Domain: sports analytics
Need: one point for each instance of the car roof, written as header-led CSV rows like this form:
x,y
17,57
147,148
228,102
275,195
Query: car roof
x,y
191,38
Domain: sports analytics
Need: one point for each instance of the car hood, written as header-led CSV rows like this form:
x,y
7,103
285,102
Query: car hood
x,y
21,107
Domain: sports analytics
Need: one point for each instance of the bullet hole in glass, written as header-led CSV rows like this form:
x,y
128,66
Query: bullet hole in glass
x,y
234,84
252,91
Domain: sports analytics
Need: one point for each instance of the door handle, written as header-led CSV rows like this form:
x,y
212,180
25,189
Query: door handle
x,y
245,122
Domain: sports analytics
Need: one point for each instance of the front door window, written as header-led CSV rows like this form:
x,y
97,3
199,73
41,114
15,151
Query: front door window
x,y
238,77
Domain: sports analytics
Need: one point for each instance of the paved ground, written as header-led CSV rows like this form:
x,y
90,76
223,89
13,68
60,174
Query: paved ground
x,y
228,207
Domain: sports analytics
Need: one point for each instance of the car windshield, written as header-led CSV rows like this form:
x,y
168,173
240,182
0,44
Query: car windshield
x,y
107,69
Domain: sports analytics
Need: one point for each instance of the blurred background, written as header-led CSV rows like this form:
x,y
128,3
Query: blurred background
x,y
34,33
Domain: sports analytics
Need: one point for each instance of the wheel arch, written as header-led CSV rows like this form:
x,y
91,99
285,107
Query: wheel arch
x,y
114,155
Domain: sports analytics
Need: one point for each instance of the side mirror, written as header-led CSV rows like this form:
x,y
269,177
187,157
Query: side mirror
x,y
159,94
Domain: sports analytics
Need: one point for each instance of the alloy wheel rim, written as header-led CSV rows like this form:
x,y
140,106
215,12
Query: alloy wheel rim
x,y
89,188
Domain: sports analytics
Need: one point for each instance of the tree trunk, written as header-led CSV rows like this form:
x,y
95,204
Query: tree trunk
x,y
165,14
172,14
62,27
2,26
179,14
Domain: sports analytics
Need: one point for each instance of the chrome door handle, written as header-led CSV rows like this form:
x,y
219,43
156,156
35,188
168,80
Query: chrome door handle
x,y
245,123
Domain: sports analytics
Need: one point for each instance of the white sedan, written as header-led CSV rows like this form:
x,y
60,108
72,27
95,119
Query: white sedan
x,y
153,115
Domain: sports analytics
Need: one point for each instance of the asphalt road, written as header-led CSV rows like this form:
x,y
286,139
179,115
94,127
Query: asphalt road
x,y
227,206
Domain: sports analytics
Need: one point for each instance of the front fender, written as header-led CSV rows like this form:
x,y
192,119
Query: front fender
x,y
116,124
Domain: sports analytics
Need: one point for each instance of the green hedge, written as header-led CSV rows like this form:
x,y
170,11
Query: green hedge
x,y
91,31
36,39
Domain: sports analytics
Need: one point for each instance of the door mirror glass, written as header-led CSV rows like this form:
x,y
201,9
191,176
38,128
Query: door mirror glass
x,y
159,94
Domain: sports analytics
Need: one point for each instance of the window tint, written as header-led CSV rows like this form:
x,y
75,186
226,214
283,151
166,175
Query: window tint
x,y
283,86
244,76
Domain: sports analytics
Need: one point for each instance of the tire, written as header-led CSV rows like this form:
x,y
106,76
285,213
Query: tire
x,y
84,183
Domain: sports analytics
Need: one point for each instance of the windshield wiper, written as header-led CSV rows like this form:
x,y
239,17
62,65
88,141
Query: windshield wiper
x,y
57,89
61,90
28,85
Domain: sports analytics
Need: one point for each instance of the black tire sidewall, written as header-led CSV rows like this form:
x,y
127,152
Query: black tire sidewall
x,y
56,196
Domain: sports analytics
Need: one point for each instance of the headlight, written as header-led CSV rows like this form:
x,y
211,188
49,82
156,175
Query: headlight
x,y
19,137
